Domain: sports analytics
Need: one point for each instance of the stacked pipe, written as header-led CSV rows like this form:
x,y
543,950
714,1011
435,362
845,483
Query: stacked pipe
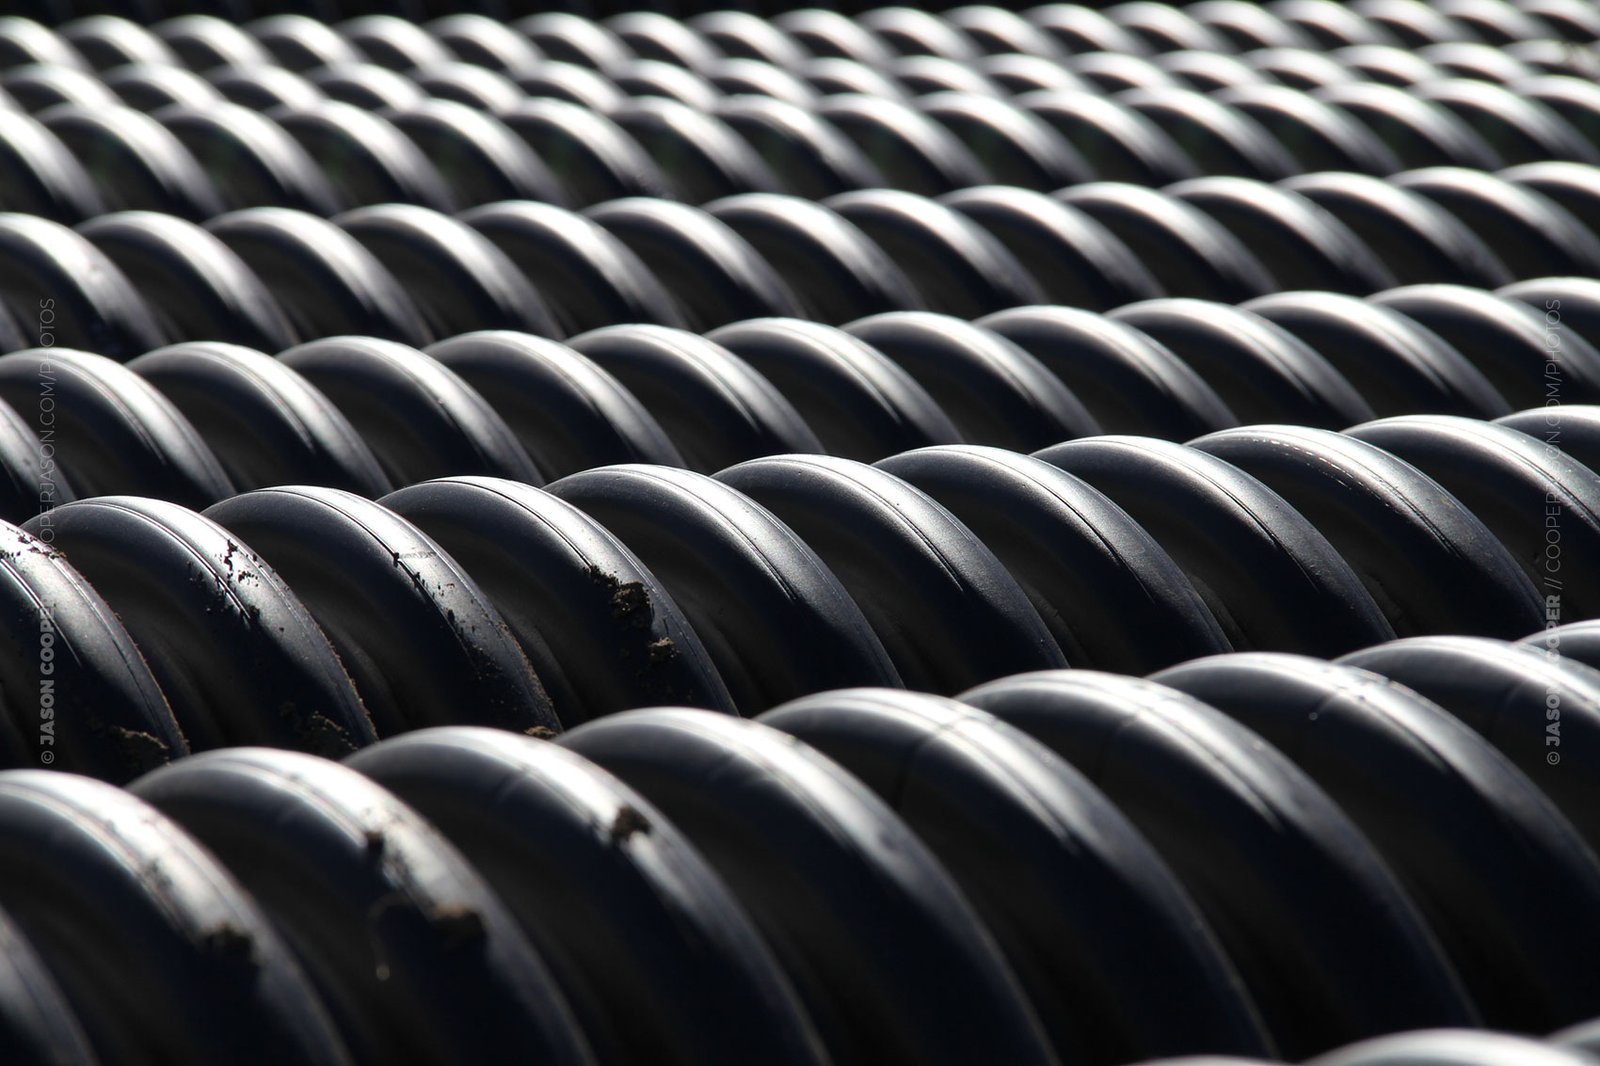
x,y
1045,537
